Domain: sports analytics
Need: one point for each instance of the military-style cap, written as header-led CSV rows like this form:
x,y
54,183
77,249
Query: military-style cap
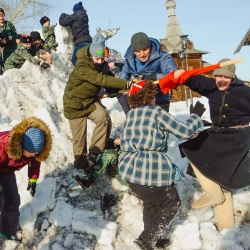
x,y
25,38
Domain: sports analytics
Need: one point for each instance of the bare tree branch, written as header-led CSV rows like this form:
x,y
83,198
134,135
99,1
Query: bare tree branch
x,y
19,11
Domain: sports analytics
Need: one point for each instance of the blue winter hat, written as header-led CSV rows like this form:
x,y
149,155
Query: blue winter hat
x,y
96,48
78,6
33,140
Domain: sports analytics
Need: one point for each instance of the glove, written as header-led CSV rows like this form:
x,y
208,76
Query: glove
x,y
114,95
32,186
152,77
129,83
206,123
197,109
45,65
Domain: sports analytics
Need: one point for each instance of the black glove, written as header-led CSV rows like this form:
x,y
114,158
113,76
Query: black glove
x,y
152,77
206,123
114,95
197,109
45,65
32,188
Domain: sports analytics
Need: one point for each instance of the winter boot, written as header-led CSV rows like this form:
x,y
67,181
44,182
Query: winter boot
x,y
10,237
92,158
224,212
140,244
162,243
213,193
85,181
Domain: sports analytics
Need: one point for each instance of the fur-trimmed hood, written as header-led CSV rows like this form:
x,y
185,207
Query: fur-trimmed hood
x,y
15,143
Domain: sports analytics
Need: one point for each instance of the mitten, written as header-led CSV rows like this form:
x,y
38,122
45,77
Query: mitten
x,y
32,186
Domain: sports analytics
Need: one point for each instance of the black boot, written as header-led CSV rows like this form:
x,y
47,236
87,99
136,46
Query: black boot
x,y
141,244
85,181
92,158
162,243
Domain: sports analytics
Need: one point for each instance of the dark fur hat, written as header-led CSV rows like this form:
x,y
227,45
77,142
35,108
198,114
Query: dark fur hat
x,y
35,35
25,38
44,20
1,10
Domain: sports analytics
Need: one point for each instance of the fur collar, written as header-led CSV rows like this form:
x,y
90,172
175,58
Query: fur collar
x,y
15,143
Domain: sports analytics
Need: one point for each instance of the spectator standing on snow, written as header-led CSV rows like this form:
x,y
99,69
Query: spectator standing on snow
x,y
144,162
48,34
28,143
79,26
8,37
145,57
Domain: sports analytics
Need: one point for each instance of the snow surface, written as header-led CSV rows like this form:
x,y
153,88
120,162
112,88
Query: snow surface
x,y
62,215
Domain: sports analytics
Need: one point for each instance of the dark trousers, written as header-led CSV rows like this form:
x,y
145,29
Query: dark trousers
x,y
10,202
160,205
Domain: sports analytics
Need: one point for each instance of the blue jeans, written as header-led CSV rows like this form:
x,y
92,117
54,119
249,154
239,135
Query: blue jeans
x,y
77,47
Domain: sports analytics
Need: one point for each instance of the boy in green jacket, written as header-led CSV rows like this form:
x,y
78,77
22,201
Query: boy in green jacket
x,y
48,33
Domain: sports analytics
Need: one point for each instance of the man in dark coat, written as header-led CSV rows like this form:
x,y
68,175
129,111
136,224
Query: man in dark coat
x,y
220,155
28,143
79,26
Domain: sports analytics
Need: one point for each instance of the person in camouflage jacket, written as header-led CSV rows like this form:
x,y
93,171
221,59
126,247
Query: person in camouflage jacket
x,y
8,37
18,57
48,33
38,48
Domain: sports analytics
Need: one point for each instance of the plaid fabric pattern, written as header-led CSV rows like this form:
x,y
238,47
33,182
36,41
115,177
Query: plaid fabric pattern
x,y
144,137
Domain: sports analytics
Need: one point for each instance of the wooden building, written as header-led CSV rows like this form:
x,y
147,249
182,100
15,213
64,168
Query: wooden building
x,y
184,55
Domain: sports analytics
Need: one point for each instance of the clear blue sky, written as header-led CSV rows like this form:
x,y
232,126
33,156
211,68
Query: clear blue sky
x,y
215,26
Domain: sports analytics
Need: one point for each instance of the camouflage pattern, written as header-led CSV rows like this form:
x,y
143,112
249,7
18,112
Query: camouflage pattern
x,y
37,51
49,37
108,162
18,57
8,29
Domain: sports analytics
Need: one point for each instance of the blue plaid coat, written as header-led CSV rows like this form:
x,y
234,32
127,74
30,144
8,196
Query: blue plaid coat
x,y
144,158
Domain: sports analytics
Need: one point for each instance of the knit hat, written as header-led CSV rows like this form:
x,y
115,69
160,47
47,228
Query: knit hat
x,y
44,20
25,38
78,6
33,140
135,87
1,10
228,71
35,35
140,41
96,48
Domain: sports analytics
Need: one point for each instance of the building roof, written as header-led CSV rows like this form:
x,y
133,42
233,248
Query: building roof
x,y
172,41
245,41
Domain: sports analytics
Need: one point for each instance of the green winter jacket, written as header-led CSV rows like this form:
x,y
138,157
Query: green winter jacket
x,y
84,85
